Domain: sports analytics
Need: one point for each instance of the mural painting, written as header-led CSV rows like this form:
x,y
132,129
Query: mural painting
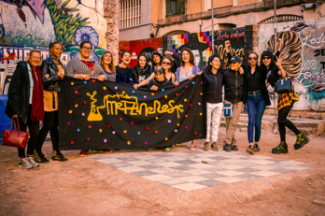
x,y
303,52
237,40
35,23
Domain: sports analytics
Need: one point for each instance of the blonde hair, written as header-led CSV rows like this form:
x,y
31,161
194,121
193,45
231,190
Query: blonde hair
x,y
111,65
31,53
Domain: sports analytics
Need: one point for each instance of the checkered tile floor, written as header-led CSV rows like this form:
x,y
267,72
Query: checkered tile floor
x,y
198,169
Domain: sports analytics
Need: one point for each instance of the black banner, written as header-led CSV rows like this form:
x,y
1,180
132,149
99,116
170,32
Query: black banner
x,y
106,115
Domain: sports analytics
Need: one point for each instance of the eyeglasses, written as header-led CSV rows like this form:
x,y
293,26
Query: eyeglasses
x,y
86,48
266,57
254,58
166,63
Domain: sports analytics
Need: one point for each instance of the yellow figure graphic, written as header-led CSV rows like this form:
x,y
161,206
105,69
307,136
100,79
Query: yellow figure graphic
x,y
94,114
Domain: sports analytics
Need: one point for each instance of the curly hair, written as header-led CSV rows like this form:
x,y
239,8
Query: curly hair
x,y
111,65
290,53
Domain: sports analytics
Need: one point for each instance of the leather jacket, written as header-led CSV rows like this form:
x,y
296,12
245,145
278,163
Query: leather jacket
x,y
49,67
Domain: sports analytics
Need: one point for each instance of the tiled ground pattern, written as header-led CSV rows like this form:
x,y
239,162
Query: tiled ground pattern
x,y
198,169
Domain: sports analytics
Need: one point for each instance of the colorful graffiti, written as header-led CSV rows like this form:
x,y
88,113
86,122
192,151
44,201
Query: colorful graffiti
x,y
303,51
36,23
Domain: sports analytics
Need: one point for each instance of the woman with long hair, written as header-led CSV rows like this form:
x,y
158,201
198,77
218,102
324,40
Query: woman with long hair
x,y
285,101
107,63
187,70
212,78
52,72
25,102
142,70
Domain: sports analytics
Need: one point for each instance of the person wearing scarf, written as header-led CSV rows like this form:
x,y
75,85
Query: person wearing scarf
x,y
25,102
141,71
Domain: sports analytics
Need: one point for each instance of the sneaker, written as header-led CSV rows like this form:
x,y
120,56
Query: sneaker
x,y
40,158
302,140
24,163
256,148
227,148
234,148
193,147
58,156
206,146
250,149
167,149
32,162
214,146
83,153
281,148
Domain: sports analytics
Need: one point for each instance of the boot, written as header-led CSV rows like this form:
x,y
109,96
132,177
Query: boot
x,y
281,148
302,140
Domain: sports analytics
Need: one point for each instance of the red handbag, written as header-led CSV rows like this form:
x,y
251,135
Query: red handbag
x,y
14,138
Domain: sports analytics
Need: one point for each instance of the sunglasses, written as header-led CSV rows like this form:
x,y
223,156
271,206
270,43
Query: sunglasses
x,y
167,63
254,58
266,57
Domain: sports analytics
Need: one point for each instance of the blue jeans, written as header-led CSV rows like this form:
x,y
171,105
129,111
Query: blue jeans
x,y
255,108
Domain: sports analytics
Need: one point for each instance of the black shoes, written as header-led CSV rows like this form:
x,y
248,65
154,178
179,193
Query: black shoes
x,y
281,148
250,149
256,148
40,158
234,148
226,148
206,146
302,140
57,155
214,146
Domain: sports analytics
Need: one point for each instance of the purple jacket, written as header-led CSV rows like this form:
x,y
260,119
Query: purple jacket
x,y
195,70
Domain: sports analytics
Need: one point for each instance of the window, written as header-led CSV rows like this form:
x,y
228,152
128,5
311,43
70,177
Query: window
x,y
175,7
130,13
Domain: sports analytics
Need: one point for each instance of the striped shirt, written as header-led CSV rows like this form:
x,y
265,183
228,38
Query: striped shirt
x,y
76,66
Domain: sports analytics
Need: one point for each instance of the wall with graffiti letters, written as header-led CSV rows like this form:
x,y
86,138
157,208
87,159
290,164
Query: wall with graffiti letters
x,y
304,58
35,23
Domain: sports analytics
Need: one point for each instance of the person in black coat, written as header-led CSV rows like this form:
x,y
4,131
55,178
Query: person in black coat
x,y
25,102
142,70
52,71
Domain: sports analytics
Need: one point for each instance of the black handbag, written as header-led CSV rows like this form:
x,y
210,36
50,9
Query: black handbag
x,y
283,86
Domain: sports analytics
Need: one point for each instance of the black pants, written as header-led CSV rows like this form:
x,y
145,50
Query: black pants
x,y
33,132
51,123
283,122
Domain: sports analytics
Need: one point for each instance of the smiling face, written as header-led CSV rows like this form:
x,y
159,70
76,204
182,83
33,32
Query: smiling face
x,y
252,59
126,58
107,59
56,50
186,56
142,61
156,59
215,64
160,77
85,50
266,60
166,64
35,59
234,66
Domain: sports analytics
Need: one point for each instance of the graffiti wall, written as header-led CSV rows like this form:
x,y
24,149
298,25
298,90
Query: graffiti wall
x,y
303,55
136,47
35,23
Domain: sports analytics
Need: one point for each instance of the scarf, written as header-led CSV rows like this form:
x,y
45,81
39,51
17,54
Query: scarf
x,y
142,72
37,113
91,65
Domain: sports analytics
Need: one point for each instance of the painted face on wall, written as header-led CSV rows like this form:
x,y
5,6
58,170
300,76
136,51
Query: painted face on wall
x,y
142,61
197,57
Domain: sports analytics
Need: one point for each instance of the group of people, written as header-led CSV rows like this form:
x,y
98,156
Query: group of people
x,y
33,93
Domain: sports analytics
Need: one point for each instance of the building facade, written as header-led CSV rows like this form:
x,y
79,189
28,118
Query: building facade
x,y
141,19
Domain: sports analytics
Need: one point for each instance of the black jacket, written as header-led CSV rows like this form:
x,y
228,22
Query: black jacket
x,y
160,85
234,86
49,67
264,92
135,70
213,84
18,95
176,63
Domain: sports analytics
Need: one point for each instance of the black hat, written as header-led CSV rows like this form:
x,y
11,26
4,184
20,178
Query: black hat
x,y
235,59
